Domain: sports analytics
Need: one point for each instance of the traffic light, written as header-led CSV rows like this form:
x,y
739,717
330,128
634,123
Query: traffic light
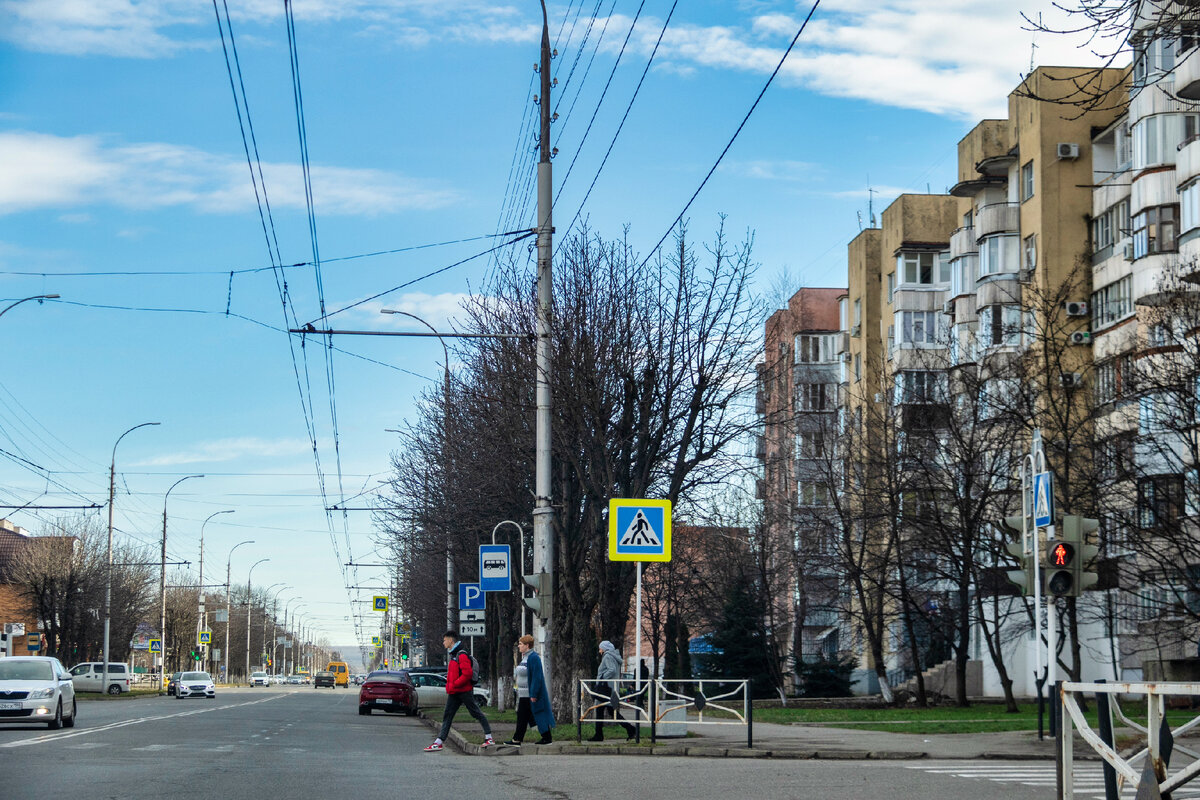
x,y
1060,569
195,656
404,640
1075,531
543,584
1022,577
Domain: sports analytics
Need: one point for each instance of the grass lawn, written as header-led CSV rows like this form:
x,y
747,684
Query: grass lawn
x,y
942,719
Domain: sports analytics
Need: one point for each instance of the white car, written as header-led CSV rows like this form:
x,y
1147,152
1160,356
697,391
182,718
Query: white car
x,y
91,677
195,684
431,690
260,679
36,689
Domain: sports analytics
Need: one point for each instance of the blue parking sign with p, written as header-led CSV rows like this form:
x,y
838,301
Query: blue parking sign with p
x,y
471,597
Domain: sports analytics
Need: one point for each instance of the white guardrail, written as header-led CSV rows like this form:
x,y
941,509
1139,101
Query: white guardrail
x,y
672,701
1154,778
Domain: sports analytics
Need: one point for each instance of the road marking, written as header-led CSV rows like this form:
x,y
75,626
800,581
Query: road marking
x,y
1088,779
58,736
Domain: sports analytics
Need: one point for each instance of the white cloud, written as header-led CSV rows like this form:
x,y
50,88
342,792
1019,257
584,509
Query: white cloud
x,y
783,170
877,192
442,311
222,450
44,171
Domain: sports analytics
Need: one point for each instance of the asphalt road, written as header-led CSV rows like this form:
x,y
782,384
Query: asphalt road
x,y
300,743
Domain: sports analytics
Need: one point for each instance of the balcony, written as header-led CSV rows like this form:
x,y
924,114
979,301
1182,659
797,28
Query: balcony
x,y
962,242
998,218
1187,75
1187,163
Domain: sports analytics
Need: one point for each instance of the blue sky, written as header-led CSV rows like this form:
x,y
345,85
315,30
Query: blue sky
x,y
120,152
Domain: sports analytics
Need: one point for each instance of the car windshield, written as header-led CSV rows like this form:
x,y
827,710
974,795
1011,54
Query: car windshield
x,y
260,674
195,676
25,671
393,677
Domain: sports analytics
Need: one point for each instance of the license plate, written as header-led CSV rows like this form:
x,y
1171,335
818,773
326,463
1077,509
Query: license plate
x,y
17,706
383,701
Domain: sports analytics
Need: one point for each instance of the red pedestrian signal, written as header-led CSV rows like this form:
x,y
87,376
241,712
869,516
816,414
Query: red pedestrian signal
x,y
1062,555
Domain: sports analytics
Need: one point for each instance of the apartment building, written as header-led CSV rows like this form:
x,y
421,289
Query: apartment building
x,y
798,399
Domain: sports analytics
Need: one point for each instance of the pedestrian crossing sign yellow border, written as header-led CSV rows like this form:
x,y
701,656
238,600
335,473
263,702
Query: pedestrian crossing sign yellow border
x,y
639,530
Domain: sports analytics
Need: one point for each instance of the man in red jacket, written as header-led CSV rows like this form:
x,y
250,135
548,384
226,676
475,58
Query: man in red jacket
x,y
460,691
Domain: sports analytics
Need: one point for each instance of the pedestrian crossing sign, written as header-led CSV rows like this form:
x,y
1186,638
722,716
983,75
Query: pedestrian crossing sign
x,y
380,603
639,530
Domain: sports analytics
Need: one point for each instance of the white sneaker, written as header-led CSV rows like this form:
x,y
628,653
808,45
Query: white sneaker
x,y
488,741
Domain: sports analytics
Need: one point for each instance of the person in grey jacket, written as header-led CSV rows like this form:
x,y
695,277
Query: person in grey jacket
x,y
610,671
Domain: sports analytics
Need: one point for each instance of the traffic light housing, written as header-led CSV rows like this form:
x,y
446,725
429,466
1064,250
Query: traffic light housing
x,y
1068,556
195,656
1023,577
542,603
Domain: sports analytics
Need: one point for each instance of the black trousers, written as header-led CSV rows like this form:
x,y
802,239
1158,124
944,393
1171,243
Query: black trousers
x,y
524,718
608,711
453,701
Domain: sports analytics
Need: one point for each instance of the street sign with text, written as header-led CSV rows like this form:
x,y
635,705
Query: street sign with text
x,y
472,629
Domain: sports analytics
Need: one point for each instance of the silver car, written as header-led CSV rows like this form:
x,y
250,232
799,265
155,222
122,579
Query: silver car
x,y
431,690
195,684
36,689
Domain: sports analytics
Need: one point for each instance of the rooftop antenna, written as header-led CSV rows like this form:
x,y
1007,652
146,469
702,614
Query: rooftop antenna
x,y
859,220
871,192
1033,46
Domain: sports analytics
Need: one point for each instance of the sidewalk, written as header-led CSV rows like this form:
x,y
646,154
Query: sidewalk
x,y
781,742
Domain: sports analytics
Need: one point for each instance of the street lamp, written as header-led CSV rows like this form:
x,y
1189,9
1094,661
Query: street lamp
x,y
35,297
274,629
286,633
249,576
112,491
203,619
163,586
445,451
266,591
228,604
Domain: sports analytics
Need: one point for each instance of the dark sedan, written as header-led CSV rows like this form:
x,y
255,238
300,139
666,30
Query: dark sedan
x,y
388,691
323,678
173,683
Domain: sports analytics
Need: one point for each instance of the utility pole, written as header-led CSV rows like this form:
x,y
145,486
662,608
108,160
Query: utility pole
x,y
543,512
162,609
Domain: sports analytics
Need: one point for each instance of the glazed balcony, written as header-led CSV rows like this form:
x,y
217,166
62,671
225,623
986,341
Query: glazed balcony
x,y
998,218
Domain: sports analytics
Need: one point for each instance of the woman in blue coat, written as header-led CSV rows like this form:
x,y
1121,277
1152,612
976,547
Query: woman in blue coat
x,y
533,696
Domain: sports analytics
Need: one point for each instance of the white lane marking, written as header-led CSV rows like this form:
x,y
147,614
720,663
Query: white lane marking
x,y
57,736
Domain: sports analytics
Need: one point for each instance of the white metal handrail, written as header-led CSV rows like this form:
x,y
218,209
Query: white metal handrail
x,y
1155,694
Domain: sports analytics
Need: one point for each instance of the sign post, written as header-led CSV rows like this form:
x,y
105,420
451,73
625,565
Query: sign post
x,y
639,530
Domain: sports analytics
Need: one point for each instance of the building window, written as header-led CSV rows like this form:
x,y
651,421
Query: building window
x,y
1160,500
1112,380
857,367
918,327
1102,232
920,386
1027,181
1154,230
891,286
811,444
1124,144
1030,251
996,396
923,269
1112,303
997,254
815,396
1114,456
1000,325
812,493
858,312
1189,207
816,349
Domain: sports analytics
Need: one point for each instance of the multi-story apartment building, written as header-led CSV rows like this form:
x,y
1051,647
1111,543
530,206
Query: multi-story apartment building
x,y
798,400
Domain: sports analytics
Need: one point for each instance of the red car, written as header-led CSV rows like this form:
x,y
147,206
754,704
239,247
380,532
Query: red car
x,y
388,691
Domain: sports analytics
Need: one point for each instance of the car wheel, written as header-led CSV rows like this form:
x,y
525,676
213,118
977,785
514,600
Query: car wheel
x,y
363,711
56,723
178,696
69,722
114,689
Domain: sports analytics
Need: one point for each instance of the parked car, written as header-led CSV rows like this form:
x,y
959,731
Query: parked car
x,y
431,690
195,684
173,683
260,679
324,678
393,692
36,689
87,677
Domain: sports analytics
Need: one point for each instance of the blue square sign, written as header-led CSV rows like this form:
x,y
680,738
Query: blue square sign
x,y
495,574
471,597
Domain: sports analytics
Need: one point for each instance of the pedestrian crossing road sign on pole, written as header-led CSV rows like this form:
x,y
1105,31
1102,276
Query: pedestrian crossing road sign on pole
x,y
205,637
1043,499
639,530
156,645
380,603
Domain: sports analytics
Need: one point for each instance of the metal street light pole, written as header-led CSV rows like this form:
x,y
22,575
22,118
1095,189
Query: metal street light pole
x,y
162,618
35,297
249,598
112,492
264,619
202,621
287,634
229,604
275,630
445,451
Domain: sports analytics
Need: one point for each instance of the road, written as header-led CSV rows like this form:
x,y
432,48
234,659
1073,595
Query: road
x,y
299,743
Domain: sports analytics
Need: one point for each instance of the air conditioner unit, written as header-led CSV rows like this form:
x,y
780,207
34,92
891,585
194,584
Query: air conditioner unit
x,y
1128,251
1068,150
1077,308
1071,380
847,357
948,307
1081,337
856,330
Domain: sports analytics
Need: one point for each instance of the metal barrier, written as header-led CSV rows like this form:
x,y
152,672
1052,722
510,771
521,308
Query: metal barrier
x,y
1153,780
709,709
